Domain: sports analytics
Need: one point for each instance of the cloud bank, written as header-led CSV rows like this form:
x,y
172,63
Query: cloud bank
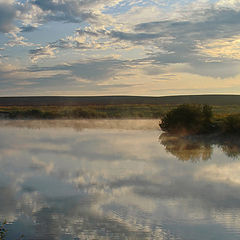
x,y
154,47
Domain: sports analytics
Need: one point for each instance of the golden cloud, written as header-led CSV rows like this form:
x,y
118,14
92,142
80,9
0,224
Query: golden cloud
x,y
222,48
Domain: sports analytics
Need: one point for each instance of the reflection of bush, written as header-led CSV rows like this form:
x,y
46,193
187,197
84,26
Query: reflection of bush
x,y
199,147
3,230
231,146
232,151
185,149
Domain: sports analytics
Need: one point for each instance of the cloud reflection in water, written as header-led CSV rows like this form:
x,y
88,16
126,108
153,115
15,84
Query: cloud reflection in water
x,y
110,183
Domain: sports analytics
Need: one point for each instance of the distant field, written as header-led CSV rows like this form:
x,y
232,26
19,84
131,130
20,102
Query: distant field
x,y
109,107
119,100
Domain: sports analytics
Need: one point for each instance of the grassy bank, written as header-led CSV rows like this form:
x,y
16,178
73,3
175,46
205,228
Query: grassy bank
x,y
90,111
119,111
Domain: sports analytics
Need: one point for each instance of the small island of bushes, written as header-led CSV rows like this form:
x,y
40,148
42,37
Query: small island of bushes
x,y
189,119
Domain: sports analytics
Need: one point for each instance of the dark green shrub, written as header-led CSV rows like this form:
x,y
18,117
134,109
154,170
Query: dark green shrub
x,y
190,119
182,118
231,124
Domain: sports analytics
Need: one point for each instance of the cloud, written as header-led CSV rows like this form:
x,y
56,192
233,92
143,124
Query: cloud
x,y
190,31
170,41
74,42
72,10
16,40
28,28
93,70
41,165
7,16
228,3
135,37
17,79
63,11
151,39
11,11
41,53
225,48
196,41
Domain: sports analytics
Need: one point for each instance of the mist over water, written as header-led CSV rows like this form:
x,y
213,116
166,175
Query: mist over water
x,y
130,124
115,179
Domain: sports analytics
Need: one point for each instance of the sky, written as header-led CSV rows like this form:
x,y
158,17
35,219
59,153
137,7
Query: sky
x,y
119,47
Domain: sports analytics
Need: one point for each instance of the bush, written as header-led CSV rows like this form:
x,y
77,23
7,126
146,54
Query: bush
x,y
191,119
231,124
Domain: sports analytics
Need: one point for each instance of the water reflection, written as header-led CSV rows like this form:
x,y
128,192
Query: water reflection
x,y
231,147
186,149
59,183
200,147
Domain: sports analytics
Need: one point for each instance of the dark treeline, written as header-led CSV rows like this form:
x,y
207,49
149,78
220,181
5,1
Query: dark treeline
x,y
112,100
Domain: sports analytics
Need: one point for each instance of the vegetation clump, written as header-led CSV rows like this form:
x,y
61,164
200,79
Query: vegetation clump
x,y
231,124
199,119
192,119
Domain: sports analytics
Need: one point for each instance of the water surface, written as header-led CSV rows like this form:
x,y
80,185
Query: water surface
x,y
115,180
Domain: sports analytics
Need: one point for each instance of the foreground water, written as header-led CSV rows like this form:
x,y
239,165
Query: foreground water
x,y
115,180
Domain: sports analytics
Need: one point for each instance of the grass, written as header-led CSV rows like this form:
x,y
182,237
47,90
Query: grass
x,y
115,111
90,111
